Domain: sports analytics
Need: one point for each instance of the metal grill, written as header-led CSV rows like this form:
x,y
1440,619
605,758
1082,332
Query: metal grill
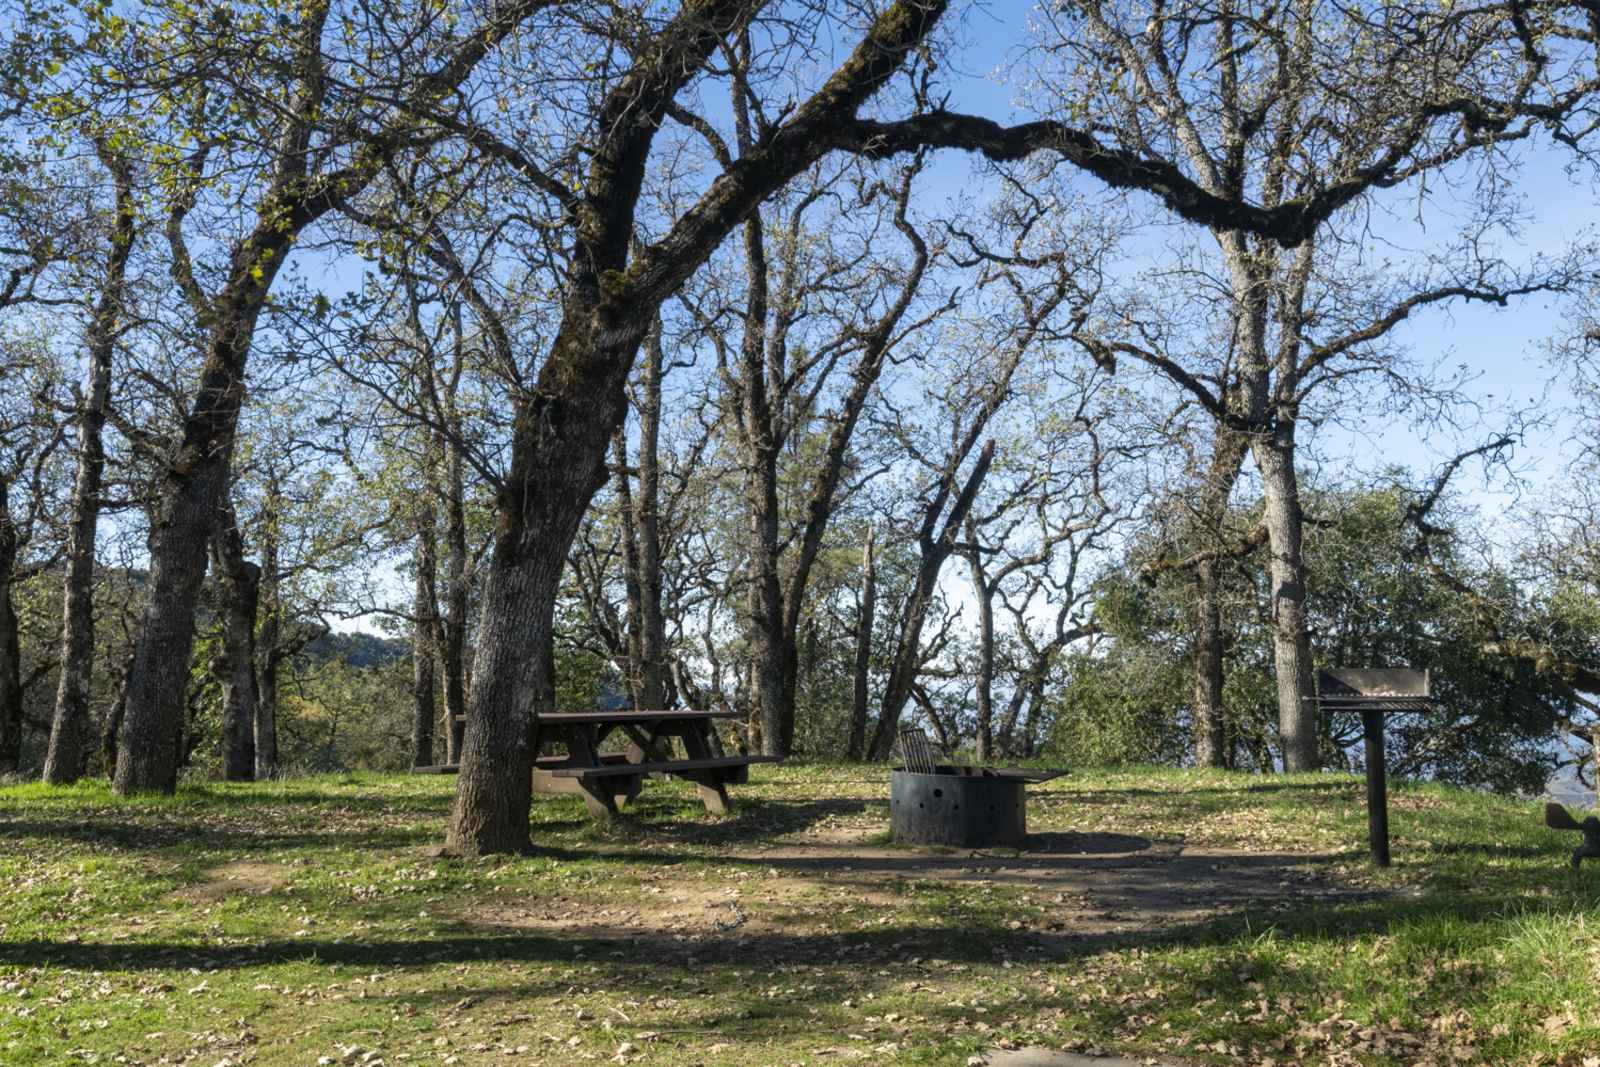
x,y
917,752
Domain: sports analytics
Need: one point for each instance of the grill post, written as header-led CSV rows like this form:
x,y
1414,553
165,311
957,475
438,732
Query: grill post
x,y
1377,787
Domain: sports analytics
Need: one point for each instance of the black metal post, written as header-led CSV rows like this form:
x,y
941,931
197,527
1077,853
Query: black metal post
x,y
1377,787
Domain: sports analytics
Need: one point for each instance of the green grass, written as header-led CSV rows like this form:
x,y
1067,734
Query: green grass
x,y
287,922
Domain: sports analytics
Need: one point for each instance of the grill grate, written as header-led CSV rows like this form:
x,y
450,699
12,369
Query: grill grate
x,y
917,752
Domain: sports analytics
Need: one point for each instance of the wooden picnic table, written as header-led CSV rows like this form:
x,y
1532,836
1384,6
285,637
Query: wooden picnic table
x,y
608,780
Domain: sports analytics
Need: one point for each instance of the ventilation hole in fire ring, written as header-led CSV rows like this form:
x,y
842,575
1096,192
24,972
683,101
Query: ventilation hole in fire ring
x,y
938,792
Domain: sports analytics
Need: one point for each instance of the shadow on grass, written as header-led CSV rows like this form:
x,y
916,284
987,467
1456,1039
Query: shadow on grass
x,y
754,819
187,835
623,946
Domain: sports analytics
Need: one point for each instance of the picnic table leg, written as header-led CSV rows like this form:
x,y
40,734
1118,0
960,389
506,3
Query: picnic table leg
x,y
627,792
600,797
713,793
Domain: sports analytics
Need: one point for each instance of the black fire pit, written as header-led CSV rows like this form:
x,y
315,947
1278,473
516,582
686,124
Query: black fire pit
x,y
962,806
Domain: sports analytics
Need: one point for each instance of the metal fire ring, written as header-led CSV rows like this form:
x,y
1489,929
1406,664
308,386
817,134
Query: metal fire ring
x,y
960,806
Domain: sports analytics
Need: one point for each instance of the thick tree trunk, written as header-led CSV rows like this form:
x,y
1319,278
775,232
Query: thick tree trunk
x,y
1291,647
515,682
241,587
557,464
10,645
1211,748
70,726
424,630
152,723
563,425
865,616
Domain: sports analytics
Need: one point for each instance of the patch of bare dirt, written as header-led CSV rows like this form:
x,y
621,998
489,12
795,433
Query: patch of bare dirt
x,y
244,878
686,908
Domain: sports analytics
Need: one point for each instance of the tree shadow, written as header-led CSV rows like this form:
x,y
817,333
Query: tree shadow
x,y
1071,842
129,835
674,820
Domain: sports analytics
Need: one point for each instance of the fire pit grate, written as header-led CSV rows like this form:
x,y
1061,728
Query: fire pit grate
x,y
917,752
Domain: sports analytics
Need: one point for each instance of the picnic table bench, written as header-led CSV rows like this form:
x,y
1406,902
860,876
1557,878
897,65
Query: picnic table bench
x,y
607,781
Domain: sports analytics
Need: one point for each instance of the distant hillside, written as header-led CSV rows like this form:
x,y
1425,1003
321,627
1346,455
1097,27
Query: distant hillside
x,y
357,649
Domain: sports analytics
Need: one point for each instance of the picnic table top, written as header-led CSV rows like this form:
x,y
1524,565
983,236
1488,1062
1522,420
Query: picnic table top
x,y
560,718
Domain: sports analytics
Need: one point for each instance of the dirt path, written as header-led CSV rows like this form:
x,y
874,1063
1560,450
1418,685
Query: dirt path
x,y
1079,886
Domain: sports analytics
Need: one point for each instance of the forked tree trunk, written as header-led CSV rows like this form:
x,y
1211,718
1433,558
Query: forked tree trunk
x,y
70,727
1291,648
190,495
865,617
1006,736
191,488
424,630
908,650
562,427
241,585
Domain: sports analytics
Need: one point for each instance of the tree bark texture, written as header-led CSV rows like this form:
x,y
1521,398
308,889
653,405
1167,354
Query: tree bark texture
x,y
190,495
1210,521
654,679
70,724
1291,646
